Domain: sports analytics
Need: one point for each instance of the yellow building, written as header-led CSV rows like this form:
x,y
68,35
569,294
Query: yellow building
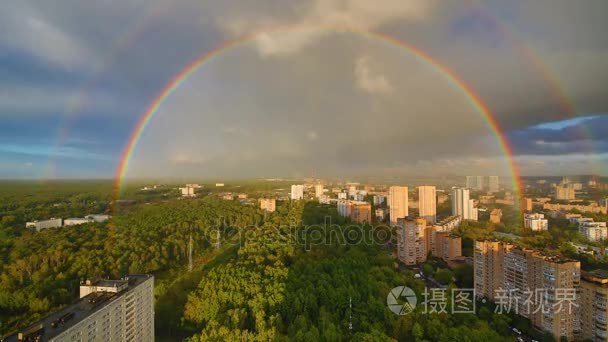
x,y
495,215
594,306
411,241
447,246
505,268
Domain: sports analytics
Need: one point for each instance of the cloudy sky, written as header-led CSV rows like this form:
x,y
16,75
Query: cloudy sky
x,y
310,90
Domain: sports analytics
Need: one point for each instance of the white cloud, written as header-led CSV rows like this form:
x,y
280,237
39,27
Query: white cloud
x,y
286,36
369,80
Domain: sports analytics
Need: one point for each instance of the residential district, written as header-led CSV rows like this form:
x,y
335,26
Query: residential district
x,y
505,271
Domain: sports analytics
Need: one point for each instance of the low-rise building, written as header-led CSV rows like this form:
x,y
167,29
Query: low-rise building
x,y
99,218
268,204
448,224
495,215
536,222
76,221
590,208
45,224
594,231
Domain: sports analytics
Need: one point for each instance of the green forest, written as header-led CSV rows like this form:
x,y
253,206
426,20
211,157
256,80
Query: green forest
x,y
260,283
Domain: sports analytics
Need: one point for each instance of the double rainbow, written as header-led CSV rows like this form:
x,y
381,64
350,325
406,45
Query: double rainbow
x,y
450,76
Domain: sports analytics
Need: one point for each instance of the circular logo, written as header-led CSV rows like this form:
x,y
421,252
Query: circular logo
x,y
392,300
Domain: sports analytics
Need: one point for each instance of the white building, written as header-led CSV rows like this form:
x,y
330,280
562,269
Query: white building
x,y
493,185
297,192
359,197
535,222
98,217
352,190
473,211
427,203
462,205
379,199
187,191
76,221
108,310
448,224
580,220
594,231
342,195
344,207
398,203
45,224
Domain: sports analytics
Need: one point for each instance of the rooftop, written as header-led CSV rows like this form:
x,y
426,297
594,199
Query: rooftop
x,y
62,320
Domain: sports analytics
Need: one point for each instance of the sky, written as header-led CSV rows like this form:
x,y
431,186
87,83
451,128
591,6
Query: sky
x,y
308,93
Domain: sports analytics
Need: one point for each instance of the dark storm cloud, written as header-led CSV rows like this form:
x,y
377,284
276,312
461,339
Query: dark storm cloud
x,y
131,49
587,137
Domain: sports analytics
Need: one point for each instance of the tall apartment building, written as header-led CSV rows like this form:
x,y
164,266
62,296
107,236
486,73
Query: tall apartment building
x,y
108,310
503,268
460,202
427,203
594,306
488,264
318,190
411,241
474,182
361,212
357,211
536,222
493,184
473,211
565,192
398,203
297,192
268,204
527,204
446,246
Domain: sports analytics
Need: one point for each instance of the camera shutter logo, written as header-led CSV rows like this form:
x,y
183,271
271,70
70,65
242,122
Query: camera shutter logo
x,y
392,300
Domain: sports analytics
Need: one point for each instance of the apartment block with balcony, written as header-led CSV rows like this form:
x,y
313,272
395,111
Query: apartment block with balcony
x,y
108,310
411,241
501,266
